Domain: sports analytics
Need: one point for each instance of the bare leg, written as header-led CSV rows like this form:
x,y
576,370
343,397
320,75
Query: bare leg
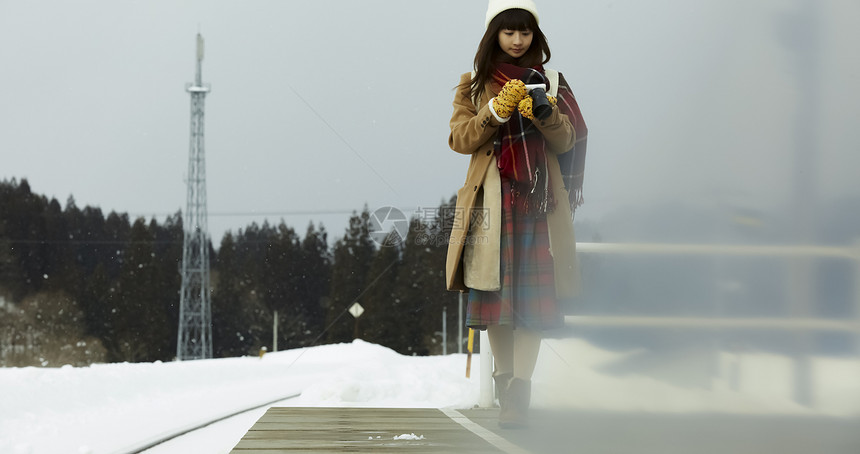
x,y
502,342
526,348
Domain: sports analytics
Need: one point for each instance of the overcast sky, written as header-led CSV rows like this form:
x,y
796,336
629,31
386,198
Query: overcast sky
x,y
330,105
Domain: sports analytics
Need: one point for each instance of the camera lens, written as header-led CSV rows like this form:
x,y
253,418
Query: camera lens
x,y
541,107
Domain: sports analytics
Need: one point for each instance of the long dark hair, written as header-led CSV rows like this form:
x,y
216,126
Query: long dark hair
x,y
489,53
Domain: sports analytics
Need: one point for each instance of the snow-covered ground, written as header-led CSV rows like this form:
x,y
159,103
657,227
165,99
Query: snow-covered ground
x,y
109,408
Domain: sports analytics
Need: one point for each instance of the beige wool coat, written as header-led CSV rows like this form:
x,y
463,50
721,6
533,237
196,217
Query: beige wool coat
x,y
474,247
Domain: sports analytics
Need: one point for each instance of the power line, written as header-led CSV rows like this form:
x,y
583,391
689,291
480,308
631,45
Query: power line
x,y
257,213
269,213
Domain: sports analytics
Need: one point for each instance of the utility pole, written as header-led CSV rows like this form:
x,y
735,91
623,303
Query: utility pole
x,y
459,322
444,330
195,317
275,333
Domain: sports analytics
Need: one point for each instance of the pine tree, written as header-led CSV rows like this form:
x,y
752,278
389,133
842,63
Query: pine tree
x,y
382,321
11,274
352,256
73,270
421,283
115,236
411,289
94,248
167,263
23,215
141,318
313,283
438,295
282,275
231,335
97,301
250,254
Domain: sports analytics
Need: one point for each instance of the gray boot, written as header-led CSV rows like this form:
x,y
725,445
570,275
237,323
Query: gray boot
x,y
502,381
518,396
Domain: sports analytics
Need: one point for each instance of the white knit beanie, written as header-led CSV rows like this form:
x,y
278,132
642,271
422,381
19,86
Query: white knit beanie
x,y
497,6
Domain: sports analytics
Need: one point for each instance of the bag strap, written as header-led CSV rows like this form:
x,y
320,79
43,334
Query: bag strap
x,y
552,76
474,101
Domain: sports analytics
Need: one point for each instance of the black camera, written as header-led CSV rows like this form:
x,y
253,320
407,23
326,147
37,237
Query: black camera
x,y
541,108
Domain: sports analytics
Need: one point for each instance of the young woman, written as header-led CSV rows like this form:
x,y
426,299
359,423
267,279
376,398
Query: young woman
x,y
512,245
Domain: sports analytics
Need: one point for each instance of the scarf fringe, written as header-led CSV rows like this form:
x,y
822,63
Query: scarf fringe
x,y
578,199
527,200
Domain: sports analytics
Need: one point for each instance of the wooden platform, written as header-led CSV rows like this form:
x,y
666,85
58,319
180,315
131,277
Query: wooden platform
x,y
328,430
322,430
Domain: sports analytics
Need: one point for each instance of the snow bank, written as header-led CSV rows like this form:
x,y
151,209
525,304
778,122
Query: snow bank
x,y
107,407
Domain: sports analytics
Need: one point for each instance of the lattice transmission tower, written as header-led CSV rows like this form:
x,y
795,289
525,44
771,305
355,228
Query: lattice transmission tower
x,y
195,316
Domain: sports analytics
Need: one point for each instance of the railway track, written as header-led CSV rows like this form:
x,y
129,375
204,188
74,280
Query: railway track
x,y
150,443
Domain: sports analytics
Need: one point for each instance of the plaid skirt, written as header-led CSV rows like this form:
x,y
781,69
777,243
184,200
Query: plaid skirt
x,y
527,297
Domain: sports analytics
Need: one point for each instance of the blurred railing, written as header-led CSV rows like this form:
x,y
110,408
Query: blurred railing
x,y
802,379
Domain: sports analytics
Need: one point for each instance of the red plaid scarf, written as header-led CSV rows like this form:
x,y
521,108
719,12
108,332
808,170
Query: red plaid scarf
x,y
572,162
520,148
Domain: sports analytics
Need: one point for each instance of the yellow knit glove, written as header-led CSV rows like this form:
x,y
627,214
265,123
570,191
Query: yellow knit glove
x,y
525,106
509,97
